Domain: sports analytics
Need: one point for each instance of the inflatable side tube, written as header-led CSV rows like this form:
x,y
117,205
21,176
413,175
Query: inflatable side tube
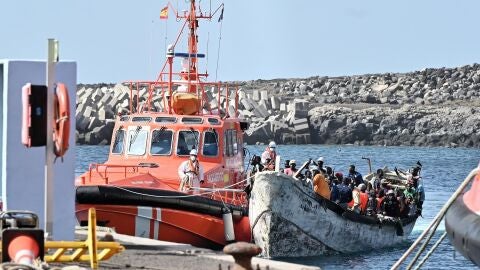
x,y
110,195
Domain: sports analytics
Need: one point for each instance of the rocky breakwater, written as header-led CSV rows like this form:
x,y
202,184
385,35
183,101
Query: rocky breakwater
x,y
435,107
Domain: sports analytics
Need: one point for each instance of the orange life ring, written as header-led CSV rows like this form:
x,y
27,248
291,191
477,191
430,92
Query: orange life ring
x,y
61,123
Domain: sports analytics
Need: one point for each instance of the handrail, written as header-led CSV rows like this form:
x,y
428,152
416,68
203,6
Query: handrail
x,y
434,224
95,166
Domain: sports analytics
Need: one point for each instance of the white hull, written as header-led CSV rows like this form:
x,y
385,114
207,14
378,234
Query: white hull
x,y
289,220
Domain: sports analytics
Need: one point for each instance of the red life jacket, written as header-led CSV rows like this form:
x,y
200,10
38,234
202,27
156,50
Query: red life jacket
x,y
363,201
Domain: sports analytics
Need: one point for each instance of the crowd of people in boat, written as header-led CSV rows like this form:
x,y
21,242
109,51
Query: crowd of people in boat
x,y
378,196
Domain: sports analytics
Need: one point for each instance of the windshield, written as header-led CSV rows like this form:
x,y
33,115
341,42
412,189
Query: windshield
x,y
187,140
137,142
161,142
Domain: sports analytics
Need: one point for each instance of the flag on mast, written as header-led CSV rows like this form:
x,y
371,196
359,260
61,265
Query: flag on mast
x,y
164,13
221,16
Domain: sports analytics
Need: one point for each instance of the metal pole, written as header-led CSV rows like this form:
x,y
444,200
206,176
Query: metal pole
x,y
49,155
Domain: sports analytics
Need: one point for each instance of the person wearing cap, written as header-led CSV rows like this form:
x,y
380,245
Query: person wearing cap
x,y
356,177
390,206
320,184
320,162
191,173
269,156
292,168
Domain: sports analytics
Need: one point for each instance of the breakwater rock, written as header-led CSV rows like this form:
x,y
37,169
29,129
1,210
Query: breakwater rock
x,y
431,107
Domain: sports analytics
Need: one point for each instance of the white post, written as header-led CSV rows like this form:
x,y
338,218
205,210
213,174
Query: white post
x,y
277,163
49,155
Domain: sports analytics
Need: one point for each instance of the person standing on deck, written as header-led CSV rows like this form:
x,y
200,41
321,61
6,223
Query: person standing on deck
x,y
292,169
356,177
191,173
269,156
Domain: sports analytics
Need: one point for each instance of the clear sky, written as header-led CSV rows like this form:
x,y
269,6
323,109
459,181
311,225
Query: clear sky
x,y
118,40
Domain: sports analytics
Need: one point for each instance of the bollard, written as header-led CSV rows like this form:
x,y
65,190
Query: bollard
x,y
242,252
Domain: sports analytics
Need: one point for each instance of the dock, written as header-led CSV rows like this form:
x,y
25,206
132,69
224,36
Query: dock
x,y
143,253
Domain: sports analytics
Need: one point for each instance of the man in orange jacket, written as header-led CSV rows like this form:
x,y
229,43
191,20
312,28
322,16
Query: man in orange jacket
x,y
320,184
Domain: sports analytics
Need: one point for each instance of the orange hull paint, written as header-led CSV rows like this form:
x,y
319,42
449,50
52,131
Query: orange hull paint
x,y
166,224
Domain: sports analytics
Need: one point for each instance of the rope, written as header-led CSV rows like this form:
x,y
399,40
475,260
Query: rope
x,y
430,252
179,196
437,219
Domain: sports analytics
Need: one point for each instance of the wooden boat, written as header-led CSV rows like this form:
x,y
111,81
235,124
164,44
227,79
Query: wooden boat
x,y
462,222
136,190
289,220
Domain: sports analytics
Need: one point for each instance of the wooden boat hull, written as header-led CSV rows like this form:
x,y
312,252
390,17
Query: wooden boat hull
x,y
463,229
191,220
289,220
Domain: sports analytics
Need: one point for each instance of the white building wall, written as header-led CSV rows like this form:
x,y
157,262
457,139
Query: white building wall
x,y
22,169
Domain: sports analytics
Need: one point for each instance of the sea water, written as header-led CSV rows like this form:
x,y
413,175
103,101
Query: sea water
x,y
443,171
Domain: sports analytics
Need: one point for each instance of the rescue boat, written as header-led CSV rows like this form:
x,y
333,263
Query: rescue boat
x,y
136,191
462,222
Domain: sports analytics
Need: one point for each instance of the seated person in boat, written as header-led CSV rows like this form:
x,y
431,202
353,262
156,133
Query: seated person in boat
x,y
389,205
330,176
319,163
269,157
356,177
360,199
334,194
308,178
320,184
402,205
287,165
292,169
377,179
191,173
344,193
372,204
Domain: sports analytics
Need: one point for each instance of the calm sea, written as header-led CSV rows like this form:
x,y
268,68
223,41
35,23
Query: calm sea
x,y
443,170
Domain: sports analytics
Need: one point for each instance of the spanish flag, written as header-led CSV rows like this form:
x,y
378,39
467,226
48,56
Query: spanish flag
x,y
164,13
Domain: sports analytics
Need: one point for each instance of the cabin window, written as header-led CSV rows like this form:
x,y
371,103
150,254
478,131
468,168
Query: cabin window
x,y
230,142
165,119
141,119
210,143
192,120
161,142
214,121
187,140
137,139
124,118
117,147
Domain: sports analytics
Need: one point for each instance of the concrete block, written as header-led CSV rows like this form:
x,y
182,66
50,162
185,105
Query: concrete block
x,y
82,124
88,111
264,95
256,95
275,103
94,122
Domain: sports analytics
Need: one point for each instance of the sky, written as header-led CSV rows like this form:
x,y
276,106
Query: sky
x,y
118,40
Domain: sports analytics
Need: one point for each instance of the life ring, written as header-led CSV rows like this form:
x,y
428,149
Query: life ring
x,y
61,125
